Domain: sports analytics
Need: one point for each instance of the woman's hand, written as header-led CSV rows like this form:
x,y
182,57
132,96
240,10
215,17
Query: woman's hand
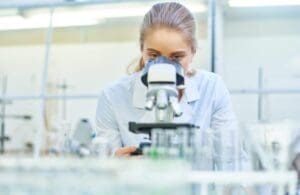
x,y
125,151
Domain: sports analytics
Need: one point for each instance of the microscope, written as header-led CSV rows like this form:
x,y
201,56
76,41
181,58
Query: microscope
x,y
163,78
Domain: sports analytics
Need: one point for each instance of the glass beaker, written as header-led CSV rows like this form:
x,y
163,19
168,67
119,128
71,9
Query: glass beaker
x,y
270,144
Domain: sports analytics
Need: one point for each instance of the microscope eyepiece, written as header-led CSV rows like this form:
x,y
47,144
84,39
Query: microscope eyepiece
x,y
163,60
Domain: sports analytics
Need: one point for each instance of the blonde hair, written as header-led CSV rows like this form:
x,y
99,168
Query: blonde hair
x,y
168,15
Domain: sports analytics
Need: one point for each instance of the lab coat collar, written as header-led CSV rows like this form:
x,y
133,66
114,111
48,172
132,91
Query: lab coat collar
x,y
140,90
191,89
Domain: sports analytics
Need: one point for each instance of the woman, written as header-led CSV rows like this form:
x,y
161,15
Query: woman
x,y
168,30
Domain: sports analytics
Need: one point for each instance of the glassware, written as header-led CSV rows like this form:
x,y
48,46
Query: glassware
x,y
270,144
100,146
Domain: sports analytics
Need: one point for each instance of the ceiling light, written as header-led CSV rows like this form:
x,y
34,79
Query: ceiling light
x,y
262,3
19,22
80,16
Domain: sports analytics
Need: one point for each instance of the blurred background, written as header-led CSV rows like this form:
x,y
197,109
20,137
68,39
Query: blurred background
x,y
56,56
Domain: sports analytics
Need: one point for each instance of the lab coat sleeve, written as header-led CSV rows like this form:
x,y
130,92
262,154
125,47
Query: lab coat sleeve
x,y
106,122
229,154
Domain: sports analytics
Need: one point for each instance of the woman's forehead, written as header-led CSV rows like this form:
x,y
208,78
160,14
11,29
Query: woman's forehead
x,y
166,40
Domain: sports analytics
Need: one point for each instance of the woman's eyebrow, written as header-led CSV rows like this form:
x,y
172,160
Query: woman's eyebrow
x,y
150,49
178,53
